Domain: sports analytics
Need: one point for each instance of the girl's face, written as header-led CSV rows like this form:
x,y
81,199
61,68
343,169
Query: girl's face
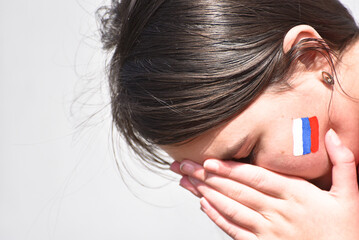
x,y
264,131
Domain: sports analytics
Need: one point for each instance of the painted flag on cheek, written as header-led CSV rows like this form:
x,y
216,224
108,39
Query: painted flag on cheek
x,y
305,136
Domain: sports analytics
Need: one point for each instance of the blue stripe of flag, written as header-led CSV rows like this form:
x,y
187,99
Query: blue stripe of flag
x,y
306,135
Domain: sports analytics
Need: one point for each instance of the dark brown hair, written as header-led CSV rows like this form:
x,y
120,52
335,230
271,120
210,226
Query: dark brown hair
x,y
182,67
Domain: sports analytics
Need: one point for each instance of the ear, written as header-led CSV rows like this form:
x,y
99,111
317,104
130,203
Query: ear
x,y
311,60
296,34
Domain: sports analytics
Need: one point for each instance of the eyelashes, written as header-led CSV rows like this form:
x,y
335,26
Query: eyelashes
x,y
249,159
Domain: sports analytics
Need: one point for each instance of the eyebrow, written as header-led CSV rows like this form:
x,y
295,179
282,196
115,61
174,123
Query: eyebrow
x,y
232,151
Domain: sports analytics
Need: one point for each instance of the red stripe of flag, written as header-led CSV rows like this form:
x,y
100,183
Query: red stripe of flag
x,y
314,127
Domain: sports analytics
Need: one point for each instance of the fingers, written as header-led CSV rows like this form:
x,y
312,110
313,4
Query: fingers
x,y
255,177
344,174
236,232
239,192
184,182
230,209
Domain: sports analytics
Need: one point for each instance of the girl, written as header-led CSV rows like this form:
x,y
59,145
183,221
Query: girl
x,y
256,85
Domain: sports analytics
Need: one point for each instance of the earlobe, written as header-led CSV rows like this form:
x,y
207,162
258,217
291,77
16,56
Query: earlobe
x,y
296,34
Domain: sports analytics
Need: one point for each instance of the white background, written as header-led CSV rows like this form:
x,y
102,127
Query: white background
x,y
58,178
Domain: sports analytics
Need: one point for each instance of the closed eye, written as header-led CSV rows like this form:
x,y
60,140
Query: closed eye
x,y
249,159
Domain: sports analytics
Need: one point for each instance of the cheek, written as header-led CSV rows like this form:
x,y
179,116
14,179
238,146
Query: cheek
x,y
278,156
309,166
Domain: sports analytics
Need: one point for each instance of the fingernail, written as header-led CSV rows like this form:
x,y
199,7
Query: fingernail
x,y
187,168
211,166
204,204
334,137
175,167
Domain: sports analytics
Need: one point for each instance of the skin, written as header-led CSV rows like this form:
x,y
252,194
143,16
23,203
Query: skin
x,y
252,203
264,128
267,122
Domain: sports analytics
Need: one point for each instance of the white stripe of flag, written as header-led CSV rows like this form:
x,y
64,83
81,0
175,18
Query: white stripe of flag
x,y
297,137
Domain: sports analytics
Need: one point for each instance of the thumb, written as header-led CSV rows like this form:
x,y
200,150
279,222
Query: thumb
x,y
344,174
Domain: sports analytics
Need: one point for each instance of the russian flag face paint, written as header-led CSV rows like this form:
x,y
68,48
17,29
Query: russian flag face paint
x,y
305,136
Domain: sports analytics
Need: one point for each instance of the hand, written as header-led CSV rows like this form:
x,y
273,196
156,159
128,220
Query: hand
x,y
252,203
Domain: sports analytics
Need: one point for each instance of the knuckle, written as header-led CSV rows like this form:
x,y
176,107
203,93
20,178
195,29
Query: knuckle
x,y
232,233
348,156
258,178
215,218
226,170
230,212
235,193
235,235
344,156
227,228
